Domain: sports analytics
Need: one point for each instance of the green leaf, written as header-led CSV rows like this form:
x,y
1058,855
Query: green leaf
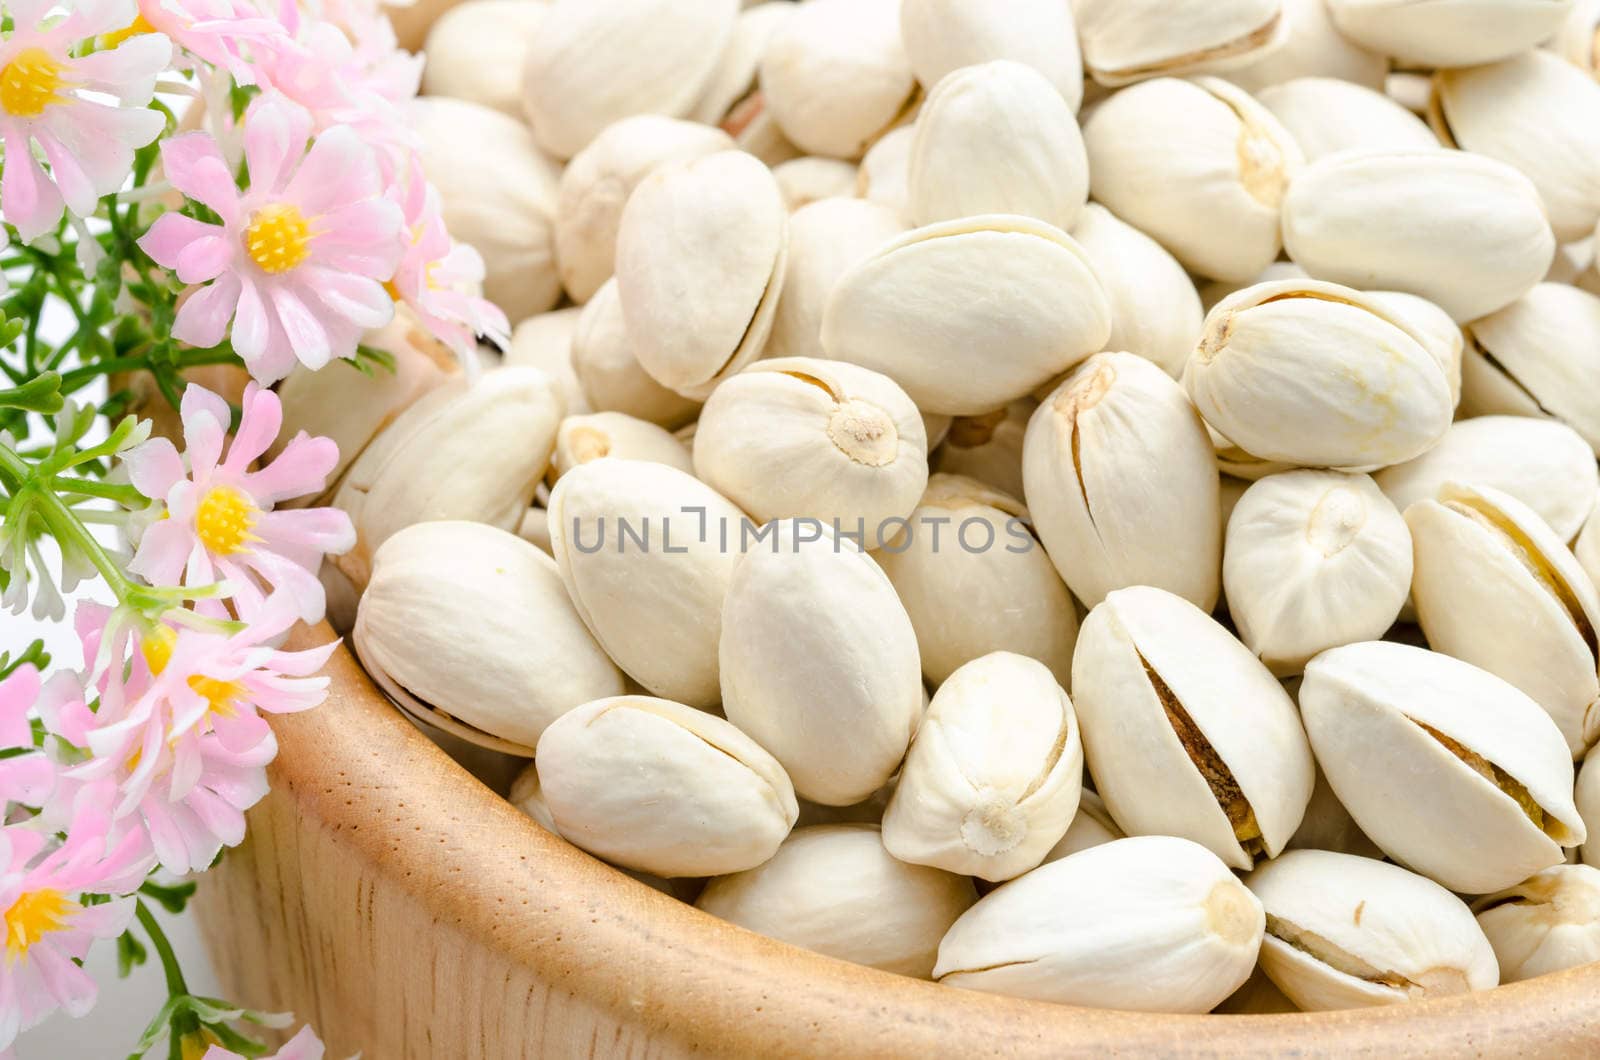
x,y
33,653
130,954
173,899
40,394
369,358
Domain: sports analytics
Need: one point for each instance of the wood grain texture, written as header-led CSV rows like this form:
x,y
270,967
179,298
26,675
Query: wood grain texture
x,y
392,900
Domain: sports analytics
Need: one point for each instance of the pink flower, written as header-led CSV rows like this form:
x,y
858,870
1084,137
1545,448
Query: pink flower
x,y
303,1046
219,521
47,926
26,778
86,114
440,279
222,33
299,260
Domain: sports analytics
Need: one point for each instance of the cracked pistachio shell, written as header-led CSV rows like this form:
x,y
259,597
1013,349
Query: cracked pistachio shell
x,y
1578,40
974,581
1131,40
1487,109
1587,549
1091,827
528,658
1312,560
1149,924
476,50
1318,375
1314,48
581,439
826,239
1327,825
885,169
1350,932
806,180
1326,116
1466,232
1587,797
597,182
970,314
1199,166
1122,484
544,341
700,261
591,64
473,451
663,788
1448,32
988,448
835,75
1155,310
1450,770
799,436
1186,732
498,192
1547,923
997,138
1544,464
833,889
611,376
1431,326
1539,356
993,776
944,35
1496,587
655,607
735,83
819,661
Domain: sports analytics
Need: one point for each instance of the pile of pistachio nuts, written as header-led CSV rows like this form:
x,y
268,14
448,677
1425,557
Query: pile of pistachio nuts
x,y
1086,501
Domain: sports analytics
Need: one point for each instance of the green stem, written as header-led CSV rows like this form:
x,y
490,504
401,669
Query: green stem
x,y
183,1022
127,496
65,526
78,377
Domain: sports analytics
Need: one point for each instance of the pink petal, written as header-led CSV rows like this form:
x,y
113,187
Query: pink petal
x,y
171,235
202,320
205,259
196,167
129,70
17,695
292,582
68,984
27,197
26,779
258,428
101,140
307,333
303,1046
338,171
275,133
364,238
301,468
154,467
205,425
250,334
317,530
357,299
163,551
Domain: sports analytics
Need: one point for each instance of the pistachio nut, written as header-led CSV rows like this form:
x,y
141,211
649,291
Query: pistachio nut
x,y
1587,797
470,451
1327,825
833,889
597,182
1312,560
1448,33
988,448
647,553
592,64
610,375
1539,356
997,138
498,192
826,238
733,97
1326,116
1314,47
544,341
663,788
944,35
970,314
1578,40
806,180
1318,375
819,661
581,439
527,796
1350,932
527,660
1199,166
1485,109
798,436
974,581
885,169
1131,40
1155,311
835,75
993,776
476,50
1092,827
1450,770
1466,232
1496,587
1122,483
1185,731
1544,464
700,259
1431,326
1150,924
1547,923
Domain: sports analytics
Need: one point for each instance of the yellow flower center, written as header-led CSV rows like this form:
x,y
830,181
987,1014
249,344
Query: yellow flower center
x,y
223,519
195,1044
219,695
278,239
157,648
34,915
31,82
138,26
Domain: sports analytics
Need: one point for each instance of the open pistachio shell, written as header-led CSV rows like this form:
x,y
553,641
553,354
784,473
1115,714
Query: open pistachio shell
x,y
988,448
1092,827
1448,32
1314,47
1547,923
1587,797
609,372
581,439
1326,115
544,341
944,35
826,239
476,50
1131,40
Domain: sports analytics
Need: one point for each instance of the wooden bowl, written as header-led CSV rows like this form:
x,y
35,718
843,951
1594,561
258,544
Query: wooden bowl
x,y
406,910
